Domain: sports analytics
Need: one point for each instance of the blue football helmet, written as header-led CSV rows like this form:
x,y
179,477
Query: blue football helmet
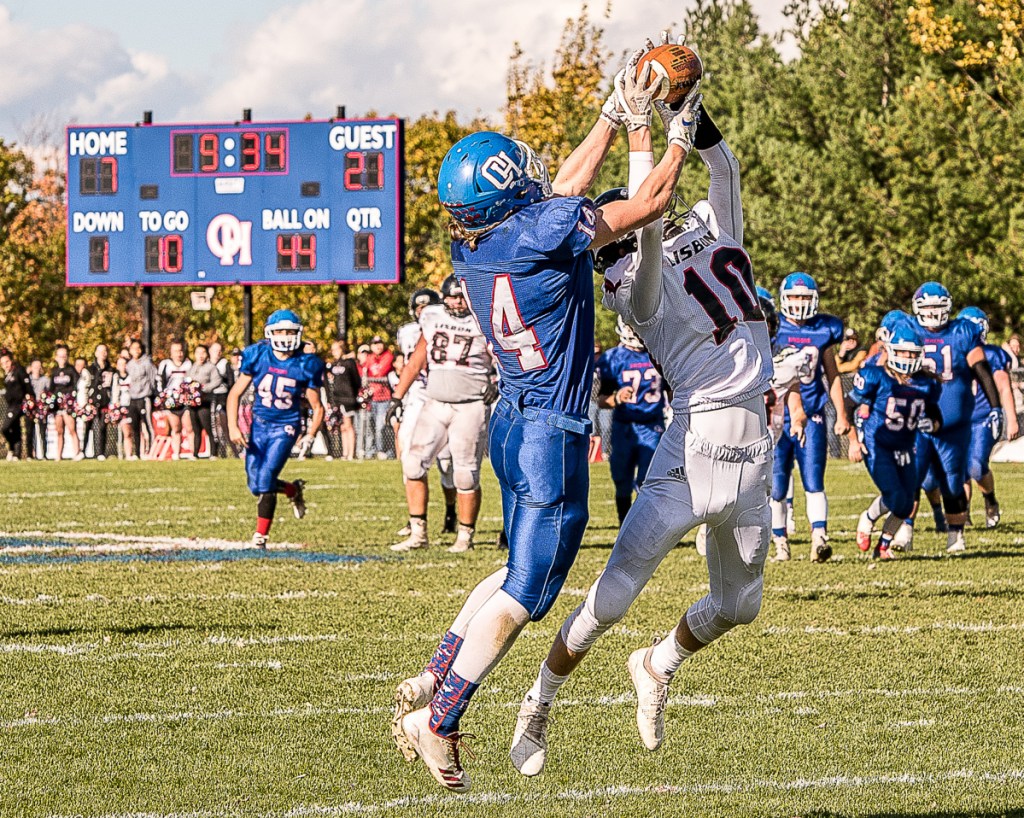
x,y
765,293
798,297
890,321
289,340
904,349
932,305
977,316
486,177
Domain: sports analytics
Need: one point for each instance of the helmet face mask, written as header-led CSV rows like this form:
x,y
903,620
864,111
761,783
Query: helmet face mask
x,y
904,349
932,305
798,297
284,331
454,297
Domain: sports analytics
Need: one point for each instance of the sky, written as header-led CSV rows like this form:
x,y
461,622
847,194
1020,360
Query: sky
x,y
106,61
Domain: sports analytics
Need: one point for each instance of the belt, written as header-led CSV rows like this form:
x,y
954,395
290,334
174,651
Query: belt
x,y
568,423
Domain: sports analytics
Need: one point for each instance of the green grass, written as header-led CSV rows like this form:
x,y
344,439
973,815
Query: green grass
x,y
206,687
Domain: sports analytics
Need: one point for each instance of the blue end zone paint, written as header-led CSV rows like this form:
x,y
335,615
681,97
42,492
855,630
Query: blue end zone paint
x,y
184,555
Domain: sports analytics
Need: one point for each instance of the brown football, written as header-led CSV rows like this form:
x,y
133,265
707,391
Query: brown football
x,y
677,67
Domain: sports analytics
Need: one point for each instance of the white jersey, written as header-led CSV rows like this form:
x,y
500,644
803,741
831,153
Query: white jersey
x,y
706,334
172,375
407,337
458,361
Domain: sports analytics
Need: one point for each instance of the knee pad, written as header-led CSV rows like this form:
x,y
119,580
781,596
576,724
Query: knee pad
x,y
611,596
412,466
467,481
711,618
955,503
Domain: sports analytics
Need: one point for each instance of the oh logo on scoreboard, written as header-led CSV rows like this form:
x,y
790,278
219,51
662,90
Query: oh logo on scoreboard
x,y
228,237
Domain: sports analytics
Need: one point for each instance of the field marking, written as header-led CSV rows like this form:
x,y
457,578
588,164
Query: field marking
x,y
120,543
163,599
612,791
798,698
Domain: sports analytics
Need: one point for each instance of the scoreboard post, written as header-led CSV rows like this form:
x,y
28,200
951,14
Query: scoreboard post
x,y
311,202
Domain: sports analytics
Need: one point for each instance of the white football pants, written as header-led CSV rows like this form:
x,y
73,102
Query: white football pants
x,y
460,426
693,480
411,407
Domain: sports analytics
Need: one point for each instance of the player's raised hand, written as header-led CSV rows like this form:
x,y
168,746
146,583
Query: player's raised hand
x,y
635,92
683,125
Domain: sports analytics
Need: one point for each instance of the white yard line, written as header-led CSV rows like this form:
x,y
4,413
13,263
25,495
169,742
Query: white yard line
x,y
607,793
91,543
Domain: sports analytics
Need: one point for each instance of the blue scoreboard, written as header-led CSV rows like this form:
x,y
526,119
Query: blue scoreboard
x,y
243,203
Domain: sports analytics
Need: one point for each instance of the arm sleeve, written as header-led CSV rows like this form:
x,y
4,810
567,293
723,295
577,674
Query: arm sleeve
x,y
724,190
983,374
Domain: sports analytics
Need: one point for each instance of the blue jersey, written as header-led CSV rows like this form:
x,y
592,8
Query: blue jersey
x,y
895,408
999,359
280,385
621,366
530,285
819,332
945,354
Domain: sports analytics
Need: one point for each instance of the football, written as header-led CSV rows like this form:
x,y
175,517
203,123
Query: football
x,y
676,67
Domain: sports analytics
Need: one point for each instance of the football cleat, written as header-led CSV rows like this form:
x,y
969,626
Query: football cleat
x,y
702,540
955,542
864,528
651,698
463,541
412,694
404,531
883,551
821,551
298,501
440,754
416,539
991,514
781,549
904,539
259,541
530,740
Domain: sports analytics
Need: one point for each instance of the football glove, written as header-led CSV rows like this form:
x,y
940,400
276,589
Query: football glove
x,y
996,422
394,413
683,125
491,393
611,111
635,93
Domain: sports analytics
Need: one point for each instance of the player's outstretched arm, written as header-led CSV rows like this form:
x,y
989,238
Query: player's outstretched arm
x,y
234,397
724,170
580,169
645,292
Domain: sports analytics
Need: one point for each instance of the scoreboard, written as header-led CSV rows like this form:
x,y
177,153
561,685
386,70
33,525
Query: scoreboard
x,y
241,203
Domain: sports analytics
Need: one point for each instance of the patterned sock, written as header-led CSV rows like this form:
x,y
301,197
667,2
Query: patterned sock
x,y
449,703
441,662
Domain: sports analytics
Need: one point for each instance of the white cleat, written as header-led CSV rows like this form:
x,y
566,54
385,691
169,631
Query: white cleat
x,y
864,530
416,539
463,541
530,740
955,542
412,694
404,531
904,539
259,541
781,549
702,540
298,500
821,551
651,698
441,755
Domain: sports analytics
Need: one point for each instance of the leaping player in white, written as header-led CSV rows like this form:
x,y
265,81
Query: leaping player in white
x,y
690,295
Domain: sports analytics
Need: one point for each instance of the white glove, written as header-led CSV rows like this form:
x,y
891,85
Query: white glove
x,y
611,112
635,93
682,127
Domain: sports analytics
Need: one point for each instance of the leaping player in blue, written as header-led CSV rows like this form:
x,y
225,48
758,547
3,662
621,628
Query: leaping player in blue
x,y
803,327
953,351
900,400
631,388
520,245
982,437
283,376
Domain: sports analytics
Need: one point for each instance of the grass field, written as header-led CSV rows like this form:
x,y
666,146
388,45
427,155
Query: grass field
x,y
203,680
